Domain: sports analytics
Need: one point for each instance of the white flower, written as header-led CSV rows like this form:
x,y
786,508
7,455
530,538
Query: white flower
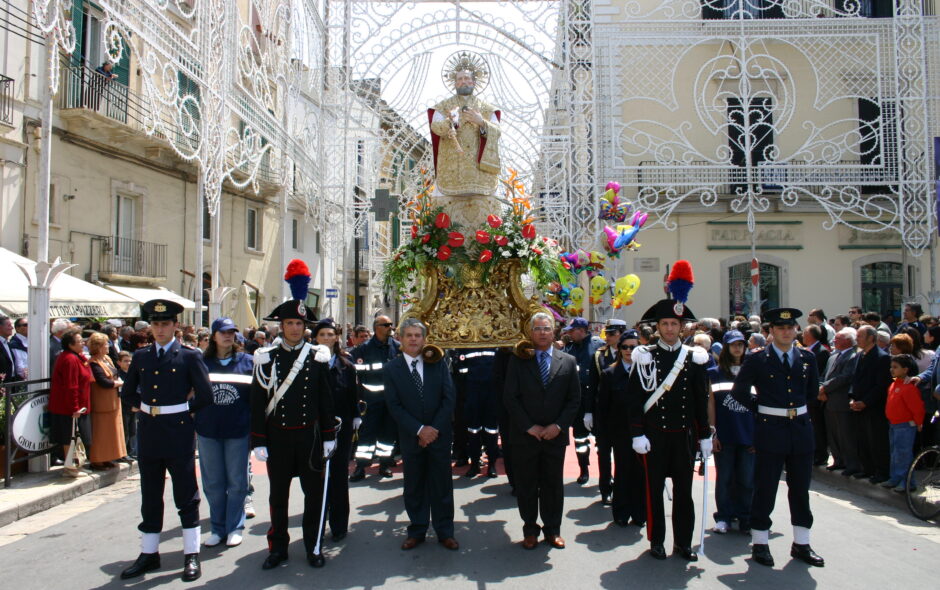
x,y
521,253
506,253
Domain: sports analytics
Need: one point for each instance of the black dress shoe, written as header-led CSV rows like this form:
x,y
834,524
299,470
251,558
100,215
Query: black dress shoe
x,y
639,523
316,559
658,552
685,553
761,554
806,554
385,472
605,499
835,467
145,562
191,568
274,559
621,522
473,471
491,470
877,479
339,536
820,462
849,472
583,478
358,474
860,475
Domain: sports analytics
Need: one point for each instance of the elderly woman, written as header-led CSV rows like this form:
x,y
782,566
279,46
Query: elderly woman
x,y
70,395
106,420
222,432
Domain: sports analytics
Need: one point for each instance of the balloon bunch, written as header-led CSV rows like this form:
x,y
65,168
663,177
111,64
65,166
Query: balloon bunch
x,y
581,260
612,208
624,290
565,300
624,236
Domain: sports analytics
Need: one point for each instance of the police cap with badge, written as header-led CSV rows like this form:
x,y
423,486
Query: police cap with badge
x,y
298,277
782,316
161,309
679,283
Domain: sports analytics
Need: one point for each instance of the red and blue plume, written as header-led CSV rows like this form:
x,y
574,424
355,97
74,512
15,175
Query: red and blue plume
x,y
680,280
298,277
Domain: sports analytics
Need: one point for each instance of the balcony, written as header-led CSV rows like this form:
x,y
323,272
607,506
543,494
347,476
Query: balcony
x,y
131,261
6,100
108,111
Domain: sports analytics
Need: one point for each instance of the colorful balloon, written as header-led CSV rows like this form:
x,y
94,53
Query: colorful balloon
x,y
624,290
599,286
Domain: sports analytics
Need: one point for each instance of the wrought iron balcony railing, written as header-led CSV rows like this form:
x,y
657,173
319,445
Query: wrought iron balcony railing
x,y
6,100
133,258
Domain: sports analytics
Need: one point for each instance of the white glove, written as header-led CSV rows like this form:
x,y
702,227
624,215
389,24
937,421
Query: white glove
x,y
641,444
589,421
329,447
706,445
357,422
261,454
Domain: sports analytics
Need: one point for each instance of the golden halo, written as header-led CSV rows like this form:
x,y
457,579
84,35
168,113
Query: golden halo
x,y
466,60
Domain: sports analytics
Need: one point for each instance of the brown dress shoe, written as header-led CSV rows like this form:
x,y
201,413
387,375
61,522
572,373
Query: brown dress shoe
x,y
530,542
555,541
411,543
449,543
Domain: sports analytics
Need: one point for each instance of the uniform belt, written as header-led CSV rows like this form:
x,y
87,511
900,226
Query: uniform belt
x,y
373,388
157,410
790,413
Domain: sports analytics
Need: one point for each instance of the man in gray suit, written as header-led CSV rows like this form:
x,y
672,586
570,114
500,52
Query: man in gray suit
x,y
834,390
420,397
542,396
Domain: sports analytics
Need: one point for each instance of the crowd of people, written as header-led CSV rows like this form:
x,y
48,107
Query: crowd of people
x,y
308,397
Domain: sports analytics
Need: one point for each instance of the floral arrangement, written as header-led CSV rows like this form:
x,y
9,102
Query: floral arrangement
x,y
509,234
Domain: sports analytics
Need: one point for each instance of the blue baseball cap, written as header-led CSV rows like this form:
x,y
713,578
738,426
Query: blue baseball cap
x,y
733,336
578,323
223,325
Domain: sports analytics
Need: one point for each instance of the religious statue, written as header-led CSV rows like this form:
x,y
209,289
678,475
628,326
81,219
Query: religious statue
x,y
465,133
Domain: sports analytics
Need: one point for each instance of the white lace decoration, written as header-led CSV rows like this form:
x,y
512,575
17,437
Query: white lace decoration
x,y
646,369
260,358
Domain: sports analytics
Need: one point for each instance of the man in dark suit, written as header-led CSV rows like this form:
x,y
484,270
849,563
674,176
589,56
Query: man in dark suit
x,y
421,399
785,379
59,326
867,400
7,362
834,389
158,386
542,395
813,337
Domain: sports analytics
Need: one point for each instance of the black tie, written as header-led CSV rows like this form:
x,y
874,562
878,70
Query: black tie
x,y
159,354
417,377
786,361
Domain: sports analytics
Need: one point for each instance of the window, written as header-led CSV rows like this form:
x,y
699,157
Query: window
x,y
124,246
296,234
318,242
206,221
189,94
741,9
882,288
750,142
252,228
878,130
740,292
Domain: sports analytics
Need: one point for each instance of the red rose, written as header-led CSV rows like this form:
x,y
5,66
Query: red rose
x,y
494,221
537,250
414,231
442,221
425,238
501,240
483,237
455,239
485,256
443,253
528,231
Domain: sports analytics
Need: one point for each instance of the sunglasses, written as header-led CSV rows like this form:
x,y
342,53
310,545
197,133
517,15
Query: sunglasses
x,y
388,325
628,347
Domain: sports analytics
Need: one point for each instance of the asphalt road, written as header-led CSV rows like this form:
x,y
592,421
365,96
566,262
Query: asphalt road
x,y
86,543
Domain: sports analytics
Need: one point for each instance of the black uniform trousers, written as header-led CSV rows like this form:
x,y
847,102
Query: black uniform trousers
x,y
337,504
767,468
152,483
538,469
506,446
429,489
871,425
670,456
460,423
289,457
629,500
582,440
482,422
377,434
604,444
817,413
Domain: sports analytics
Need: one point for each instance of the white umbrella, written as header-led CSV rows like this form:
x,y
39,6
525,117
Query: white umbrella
x,y
243,316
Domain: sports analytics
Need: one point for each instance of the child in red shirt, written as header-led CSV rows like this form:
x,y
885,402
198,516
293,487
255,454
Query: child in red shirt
x,y
905,412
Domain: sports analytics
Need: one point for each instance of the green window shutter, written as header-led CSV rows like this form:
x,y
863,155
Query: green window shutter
x,y
123,68
78,21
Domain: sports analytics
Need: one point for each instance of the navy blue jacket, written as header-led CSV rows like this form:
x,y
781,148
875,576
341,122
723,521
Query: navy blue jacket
x,y
583,353
434,407
167,382
229,416
778,389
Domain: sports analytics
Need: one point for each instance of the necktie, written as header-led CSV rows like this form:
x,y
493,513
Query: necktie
x,y
543,366
417,377
786,361
159,354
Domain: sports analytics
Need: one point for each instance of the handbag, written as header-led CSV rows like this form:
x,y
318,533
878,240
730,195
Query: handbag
x,y
76,456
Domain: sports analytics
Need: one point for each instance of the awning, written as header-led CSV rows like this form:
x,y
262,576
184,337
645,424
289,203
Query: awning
x,y
143,295
70,297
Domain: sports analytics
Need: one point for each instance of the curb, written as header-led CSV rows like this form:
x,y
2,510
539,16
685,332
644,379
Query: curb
x,y
32,493
861,487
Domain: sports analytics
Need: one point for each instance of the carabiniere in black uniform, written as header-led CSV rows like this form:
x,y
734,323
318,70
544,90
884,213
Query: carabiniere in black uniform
x,y
681,409
158,385
292,431
783,436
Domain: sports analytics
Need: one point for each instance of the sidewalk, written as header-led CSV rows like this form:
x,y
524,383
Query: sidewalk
x,y
860,487
34,492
